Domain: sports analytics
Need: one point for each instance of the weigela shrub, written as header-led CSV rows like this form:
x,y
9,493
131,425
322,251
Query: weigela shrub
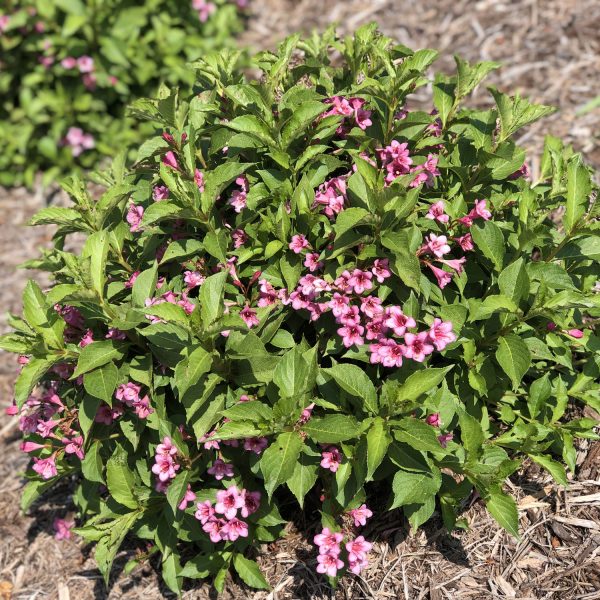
x,y
311,294
68,68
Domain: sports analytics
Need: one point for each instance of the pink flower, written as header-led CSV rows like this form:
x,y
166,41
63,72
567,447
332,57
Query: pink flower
x,y
85,64
4,21
340,106
160,192
221,469
358,548
331,459
134,217
445,438
391,354
62,527
311,261
165,467
74,446
434,420
239,238
170,160
436,212
256,444
381,269
69,62
328,541
480,210
193,279
238,197
214,528
306,413
523,171
356,566
351,334
104,415
298,243
397,320
465,242
417,346
87,339
199,179
204,8
30,446
251,503
45,467
128,392
395,158
188,497
228,502
142,407
371,306
441,334
361,116
437,245
329,563
575,333
89,80
205,511
376,329
129,283
115,334
249,316
234,529
360,515
360,281
443,277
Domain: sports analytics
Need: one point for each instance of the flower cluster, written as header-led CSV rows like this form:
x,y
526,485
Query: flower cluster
x,y
165,465
222,521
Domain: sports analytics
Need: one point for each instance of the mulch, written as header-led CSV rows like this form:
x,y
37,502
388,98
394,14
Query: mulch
x,y
550,50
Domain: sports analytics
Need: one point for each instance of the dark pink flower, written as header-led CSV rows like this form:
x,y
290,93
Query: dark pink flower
x,y
381,269
249,316
360,515
445,438
441,334
205,511
417,346
45,467
228,502
62,527
436,212
329,564
298,243
331,459
170,160
434,420
160,192
188,497
220,470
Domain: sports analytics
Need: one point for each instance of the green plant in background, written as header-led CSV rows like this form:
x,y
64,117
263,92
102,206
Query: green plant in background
x,y
310,294
68,68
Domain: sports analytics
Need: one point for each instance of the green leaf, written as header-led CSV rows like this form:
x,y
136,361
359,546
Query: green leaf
x,y
218,179
514,357
302,117
420,382
378,441
119,479
579,186
144,286
91,465
96,248
102,382
211,297
293,374
279,460
252,125
190,369
504,509
37,314
415,488
489,239
332,429
418,435
96,354
514,281
30,375
87,413
249,572
353,380
554,468
304,477
348,219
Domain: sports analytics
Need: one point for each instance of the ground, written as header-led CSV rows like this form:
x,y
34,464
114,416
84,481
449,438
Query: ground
x,y
550,50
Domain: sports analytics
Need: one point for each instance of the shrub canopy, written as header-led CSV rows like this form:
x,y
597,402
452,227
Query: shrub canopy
x,y
68,68
311,292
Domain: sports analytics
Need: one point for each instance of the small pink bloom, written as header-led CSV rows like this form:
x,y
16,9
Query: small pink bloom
x,y
129,283
87,339
115,334
30,446
356,566
328,541
199,179
391,354
220,470
85,64
360,515
358,548
576,333
251,503
306,414
441,334
465,242
205,511
188,497
298,243
235,529
437,245
329,564
551,326
434,420
311,261
62,527
361,116
249,316
436,212
397,320
170,160
128,392
481,211
134,217
445,438
351,335
214,528
74,446
239,238
193,279
228,502
360,280
45,467
417,346
160,192
381,269
142,407
256,444
443,277
69,62
331,459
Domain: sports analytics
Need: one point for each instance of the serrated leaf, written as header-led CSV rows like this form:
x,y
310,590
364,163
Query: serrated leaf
x,y
96,354
378,441
102,382
514,357
504,509
489,239
249,572
353,380
332,429
304,477
279,459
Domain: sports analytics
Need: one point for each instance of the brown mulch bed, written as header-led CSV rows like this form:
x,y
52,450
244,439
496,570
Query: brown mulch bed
x,y
551,52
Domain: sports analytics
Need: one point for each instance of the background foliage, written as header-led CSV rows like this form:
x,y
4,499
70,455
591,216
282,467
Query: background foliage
x,y
522,305
134,47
